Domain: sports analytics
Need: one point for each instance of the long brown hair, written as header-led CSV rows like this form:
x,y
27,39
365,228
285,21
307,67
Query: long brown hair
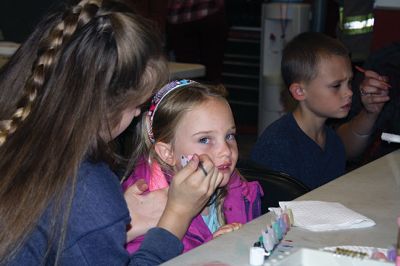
x,y
69,82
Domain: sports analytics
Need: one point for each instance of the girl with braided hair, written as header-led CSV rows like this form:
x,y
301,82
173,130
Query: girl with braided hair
x,y
71,88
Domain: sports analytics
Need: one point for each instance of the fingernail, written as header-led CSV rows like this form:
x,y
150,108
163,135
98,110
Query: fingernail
x,y
194,158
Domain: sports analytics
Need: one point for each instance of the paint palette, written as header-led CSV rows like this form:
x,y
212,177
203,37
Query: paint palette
x,y
369,251
311,257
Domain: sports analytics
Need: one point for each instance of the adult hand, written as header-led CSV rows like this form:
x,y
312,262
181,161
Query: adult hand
x,y
227,229
189,191
145,209
374,91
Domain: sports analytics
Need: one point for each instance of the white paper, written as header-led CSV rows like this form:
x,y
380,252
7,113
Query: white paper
x,y
325,216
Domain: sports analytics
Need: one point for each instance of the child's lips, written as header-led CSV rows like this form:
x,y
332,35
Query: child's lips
x,y
347,106
224,167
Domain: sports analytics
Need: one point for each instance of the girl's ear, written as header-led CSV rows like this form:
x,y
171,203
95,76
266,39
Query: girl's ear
x,y
165,152
297,91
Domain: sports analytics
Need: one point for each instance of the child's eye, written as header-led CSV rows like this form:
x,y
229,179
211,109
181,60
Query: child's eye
x,y
204,140
231,136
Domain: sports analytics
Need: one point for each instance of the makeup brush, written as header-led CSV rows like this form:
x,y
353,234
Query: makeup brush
x,y
362,70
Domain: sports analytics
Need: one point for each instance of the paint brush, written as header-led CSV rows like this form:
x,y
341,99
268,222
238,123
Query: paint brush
x,y
201,166
362,70
186,159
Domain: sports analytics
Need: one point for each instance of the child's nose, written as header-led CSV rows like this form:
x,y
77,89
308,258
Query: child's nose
x,y
348,91
225,149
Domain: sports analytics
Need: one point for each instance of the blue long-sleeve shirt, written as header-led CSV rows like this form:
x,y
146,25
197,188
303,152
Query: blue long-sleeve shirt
x,y
284,147
96,232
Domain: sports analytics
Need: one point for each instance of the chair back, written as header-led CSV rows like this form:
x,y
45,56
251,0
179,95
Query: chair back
x,y
277,186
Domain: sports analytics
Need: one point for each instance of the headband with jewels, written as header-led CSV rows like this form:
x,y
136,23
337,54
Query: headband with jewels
x,y
158,97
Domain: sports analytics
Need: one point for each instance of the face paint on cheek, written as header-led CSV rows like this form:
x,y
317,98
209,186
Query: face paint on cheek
x,y
185,159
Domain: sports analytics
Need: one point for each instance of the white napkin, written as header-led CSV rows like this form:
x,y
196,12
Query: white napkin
x,y
320,216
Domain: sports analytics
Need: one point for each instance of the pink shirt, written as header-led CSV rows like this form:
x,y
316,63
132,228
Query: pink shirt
x,y
242,204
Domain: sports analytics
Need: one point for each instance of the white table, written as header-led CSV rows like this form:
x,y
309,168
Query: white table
x,y
372,190
177,70
7,49
185,70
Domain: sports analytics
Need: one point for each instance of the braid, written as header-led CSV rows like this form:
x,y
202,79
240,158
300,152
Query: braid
x,y
61,96
48,52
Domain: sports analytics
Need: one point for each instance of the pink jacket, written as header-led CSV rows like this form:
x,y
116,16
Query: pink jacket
x,y
242,204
